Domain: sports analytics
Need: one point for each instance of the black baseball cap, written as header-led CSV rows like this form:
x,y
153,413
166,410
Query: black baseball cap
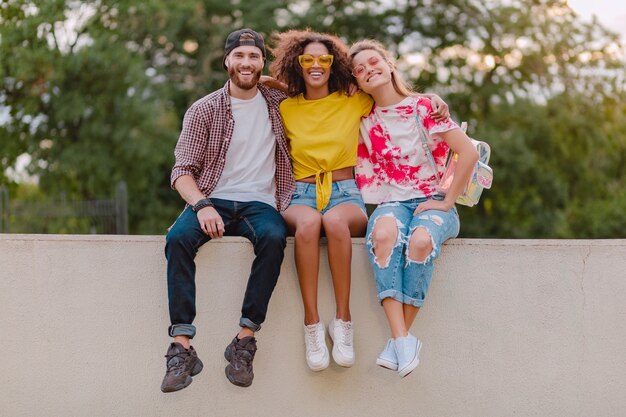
x,y
234,40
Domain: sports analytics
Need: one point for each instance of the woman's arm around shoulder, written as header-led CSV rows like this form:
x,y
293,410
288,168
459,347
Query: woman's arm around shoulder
x,y
272,82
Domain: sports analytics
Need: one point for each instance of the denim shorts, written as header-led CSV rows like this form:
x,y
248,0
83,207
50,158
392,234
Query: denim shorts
x,y
344,191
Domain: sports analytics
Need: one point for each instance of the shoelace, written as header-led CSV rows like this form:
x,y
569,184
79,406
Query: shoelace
x,y
179,363
311,332
346,334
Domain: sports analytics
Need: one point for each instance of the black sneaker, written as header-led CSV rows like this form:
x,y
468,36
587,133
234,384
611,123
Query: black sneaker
x,y
181,364
240,354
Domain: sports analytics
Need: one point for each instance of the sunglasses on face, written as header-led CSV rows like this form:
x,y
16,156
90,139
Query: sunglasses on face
x,y
307,60
359,70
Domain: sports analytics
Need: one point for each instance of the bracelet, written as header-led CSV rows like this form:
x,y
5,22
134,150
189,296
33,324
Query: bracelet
x,y
205,202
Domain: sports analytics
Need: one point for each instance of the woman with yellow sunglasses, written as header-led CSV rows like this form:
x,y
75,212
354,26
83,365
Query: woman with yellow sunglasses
x,y
321,120
322,124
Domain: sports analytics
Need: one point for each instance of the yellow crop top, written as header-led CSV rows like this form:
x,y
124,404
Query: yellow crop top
x,y
323,136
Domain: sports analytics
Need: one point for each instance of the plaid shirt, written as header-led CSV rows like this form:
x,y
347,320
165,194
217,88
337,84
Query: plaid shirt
x,y
207,130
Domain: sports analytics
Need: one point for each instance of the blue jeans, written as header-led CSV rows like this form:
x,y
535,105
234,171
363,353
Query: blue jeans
x,y
399,277
261,224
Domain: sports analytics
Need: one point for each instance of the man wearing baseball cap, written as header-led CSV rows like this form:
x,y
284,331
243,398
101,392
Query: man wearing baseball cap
x,y
233,170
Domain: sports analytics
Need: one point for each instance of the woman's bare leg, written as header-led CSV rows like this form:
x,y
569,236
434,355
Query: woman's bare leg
x,y
305,223
395,317
340,224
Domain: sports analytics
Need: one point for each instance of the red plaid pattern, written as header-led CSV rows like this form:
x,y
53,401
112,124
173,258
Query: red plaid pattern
x,y
207,130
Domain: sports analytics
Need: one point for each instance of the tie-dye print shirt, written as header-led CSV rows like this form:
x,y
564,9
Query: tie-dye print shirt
x,y
392,165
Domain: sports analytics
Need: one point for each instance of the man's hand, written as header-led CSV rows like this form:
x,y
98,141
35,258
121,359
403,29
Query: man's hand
x,y
211,222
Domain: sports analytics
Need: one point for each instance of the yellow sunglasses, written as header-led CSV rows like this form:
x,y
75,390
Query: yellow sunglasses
x,y
307,60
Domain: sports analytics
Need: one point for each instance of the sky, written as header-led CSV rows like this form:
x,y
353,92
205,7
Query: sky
x,y
611,13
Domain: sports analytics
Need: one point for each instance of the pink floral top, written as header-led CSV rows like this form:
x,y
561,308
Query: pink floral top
x,y
392,165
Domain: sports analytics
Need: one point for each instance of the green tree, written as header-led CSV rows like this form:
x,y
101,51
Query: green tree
x,y
96,93
97,90
544,88
82,106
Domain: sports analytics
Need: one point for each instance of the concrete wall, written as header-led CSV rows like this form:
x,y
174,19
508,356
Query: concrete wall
x,y
510,328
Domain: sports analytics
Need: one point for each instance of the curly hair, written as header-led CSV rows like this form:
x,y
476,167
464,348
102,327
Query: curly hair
x,y
399,84
291,44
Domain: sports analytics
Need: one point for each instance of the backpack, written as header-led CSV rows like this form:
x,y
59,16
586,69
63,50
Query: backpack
x,y
481,177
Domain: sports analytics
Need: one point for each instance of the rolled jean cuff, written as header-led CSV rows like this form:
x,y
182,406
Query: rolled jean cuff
x,y
415,302
244,322
188,330
396,295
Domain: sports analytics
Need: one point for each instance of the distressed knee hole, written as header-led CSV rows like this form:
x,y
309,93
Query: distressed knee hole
x,y
383,238
420,245
381,251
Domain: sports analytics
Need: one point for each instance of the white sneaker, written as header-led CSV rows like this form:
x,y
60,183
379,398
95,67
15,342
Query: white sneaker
x,y
408,351
387,358
317,356
341,334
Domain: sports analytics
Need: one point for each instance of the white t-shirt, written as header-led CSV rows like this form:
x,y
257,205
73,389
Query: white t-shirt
x,y
250,166
391,163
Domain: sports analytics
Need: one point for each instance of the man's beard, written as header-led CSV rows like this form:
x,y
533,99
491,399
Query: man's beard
x,y
244,85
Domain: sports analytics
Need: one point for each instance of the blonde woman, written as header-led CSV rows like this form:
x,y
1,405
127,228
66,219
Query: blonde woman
x,y
406,231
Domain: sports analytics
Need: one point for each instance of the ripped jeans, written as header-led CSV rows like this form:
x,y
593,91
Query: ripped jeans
x,y
398,276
